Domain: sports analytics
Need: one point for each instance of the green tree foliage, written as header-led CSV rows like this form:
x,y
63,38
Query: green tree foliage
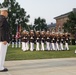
x,y
40,24
70,25
17,15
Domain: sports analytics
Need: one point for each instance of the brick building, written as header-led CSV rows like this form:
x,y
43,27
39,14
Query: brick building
x,y
60,20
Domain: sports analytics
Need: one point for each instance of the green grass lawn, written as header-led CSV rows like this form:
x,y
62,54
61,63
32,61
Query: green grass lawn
x,y
18,54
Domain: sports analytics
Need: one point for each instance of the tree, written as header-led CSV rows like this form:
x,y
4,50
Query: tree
x,y
17,15
40,24
70,25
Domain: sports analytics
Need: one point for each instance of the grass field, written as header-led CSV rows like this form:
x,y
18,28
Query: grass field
x,y
18,54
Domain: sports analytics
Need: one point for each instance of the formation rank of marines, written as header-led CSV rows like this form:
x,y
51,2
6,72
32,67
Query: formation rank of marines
x,y
43,40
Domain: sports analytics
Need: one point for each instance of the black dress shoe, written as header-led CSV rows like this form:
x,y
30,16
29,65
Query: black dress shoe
x,y
4,70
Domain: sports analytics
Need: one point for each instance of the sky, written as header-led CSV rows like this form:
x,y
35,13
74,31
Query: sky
x,y
47,9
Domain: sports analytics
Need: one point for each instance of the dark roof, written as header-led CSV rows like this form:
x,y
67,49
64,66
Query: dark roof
x,y
62,16
65,15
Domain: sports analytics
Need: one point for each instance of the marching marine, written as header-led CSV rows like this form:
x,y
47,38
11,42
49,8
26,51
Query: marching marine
x,y
66,41
42,40
24,37
32,40
47,35
61,41
37,40
57,41
53,41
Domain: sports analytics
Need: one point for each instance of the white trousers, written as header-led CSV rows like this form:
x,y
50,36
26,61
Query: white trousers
x,y
50,46
66,46
16,44
19,44
3,50
42,46
47,45
13,44
37,46
31,46
61,46
57,46
27,45
53,46
23,46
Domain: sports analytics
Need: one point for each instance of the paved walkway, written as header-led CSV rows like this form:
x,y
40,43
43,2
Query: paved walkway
x,y
62,66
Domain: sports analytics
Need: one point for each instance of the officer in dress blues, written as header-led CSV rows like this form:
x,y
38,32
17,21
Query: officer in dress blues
x,y
4,37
